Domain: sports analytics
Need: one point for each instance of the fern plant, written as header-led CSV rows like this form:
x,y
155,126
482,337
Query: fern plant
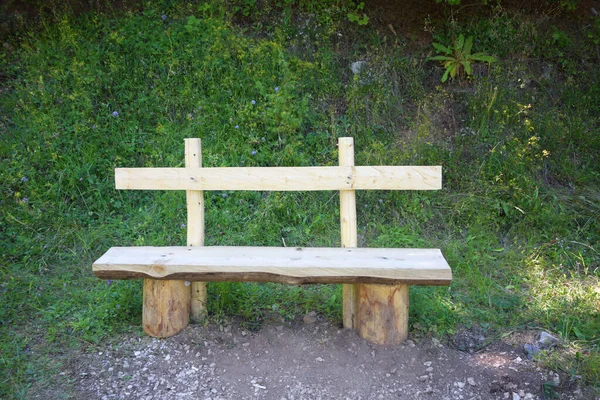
x,y
458,59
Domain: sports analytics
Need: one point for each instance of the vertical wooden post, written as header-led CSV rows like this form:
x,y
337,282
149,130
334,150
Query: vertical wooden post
x,y
379,313
195,225
348,229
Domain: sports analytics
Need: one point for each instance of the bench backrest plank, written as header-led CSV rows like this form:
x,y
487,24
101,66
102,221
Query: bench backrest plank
x,y
281,178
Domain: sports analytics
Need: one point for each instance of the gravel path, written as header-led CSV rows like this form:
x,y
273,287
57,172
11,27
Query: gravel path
x,y
308,361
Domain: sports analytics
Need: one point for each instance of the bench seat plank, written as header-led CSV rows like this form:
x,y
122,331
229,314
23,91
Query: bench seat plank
x,y
293,265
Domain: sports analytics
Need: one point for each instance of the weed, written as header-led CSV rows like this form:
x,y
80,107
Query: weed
x,y
356,16
458,59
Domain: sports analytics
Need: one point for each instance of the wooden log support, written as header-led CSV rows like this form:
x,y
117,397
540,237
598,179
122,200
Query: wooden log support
x,y
195,225
382,315
166,307
348,229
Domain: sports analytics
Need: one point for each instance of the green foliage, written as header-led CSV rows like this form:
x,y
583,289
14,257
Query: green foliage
x,y
506,37
356,16
327,11
568,5
593,32
458,59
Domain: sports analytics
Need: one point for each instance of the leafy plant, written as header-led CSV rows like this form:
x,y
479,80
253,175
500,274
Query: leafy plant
x,y
356,16
458,59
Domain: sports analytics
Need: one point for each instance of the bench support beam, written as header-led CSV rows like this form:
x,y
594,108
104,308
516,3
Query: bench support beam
x,y
382,314
166,307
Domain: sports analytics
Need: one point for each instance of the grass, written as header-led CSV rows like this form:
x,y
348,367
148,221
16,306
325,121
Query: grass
x,y
86,92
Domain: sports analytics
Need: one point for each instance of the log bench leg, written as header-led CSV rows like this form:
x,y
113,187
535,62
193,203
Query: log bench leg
x,y
382,315
166,307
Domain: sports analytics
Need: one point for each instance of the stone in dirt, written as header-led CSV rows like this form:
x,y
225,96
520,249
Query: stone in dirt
x,y
470,340
357,67
547,341
310,318
531,350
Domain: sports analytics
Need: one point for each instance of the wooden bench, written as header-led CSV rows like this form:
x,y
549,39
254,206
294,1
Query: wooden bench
x,y
376,280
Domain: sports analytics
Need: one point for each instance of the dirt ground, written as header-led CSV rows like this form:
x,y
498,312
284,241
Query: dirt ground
x,y
306,361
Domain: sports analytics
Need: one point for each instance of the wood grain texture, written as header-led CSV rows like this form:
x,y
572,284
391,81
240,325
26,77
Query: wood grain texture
x,y
281,178
166,307
195,226
382,315
348,230
293,265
